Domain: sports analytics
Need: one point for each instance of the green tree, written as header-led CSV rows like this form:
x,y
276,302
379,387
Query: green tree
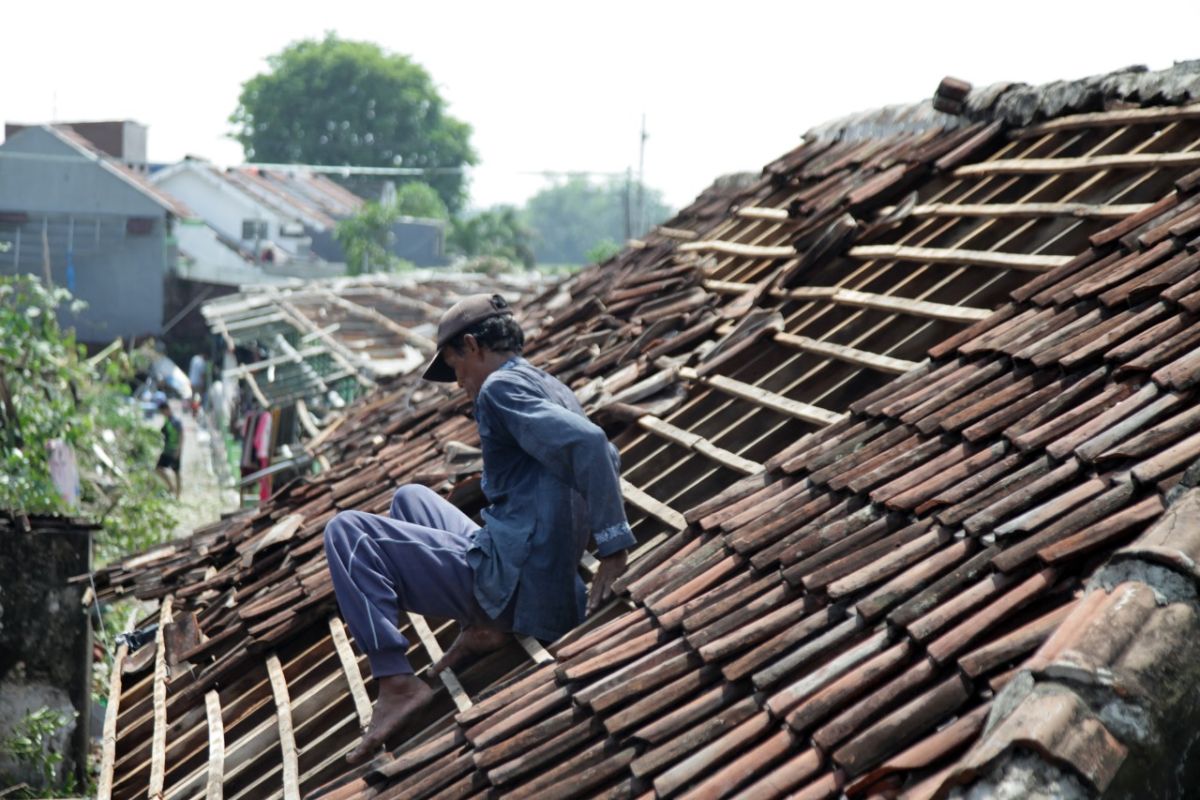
x,y
419,199
339,102
49,391
499,232
367,239
574,216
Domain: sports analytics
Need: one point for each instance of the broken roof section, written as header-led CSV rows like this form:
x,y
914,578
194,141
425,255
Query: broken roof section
x,y
340,335
838,567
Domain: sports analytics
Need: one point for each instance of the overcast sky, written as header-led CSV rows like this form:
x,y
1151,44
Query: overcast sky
x,y
563,85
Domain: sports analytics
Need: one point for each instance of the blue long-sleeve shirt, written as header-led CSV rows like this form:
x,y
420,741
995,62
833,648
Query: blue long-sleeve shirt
x,y
552,480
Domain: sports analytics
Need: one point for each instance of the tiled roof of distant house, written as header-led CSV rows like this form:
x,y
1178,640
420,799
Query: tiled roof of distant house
x,y
894,420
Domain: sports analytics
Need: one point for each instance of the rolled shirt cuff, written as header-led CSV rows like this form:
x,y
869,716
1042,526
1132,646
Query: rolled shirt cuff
x,y
613,539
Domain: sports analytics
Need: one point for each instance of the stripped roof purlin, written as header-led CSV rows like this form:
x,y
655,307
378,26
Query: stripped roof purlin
x,y
836,598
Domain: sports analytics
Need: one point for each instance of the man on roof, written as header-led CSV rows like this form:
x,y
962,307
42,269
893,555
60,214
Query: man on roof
x,y
552,480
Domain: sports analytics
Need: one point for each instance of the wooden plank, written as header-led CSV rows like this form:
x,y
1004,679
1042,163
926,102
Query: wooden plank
x,y
216,747
681,234
753,212
851,355
158,747
738,249
358,689
108,741
917,308
533,647
457,693
666,430
1029,210
951,255
422,343
1124,116
1058,166
287,736
775,402
728,287
655,508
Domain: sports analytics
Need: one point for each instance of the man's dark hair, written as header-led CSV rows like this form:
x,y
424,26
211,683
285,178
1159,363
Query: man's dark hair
x,y
499,334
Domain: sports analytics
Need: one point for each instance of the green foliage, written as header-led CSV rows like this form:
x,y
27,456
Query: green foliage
x,y
419,199
341,102
498,232
571,218
367,239
602,251
31,744
48,391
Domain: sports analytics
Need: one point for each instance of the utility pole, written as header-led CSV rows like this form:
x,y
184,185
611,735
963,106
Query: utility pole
x,y
641,187
628,209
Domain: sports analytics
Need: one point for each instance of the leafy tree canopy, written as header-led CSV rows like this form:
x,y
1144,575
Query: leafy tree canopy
x,y
418,199
49,391
575,216
498,232
367,239
339,102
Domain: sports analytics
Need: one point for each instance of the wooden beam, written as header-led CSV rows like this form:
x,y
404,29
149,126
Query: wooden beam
x,y
108,741
728,287
754,212
916,308
358,689
767,399
1124,116
681,234
655,508
241,370
158,746
216,747
457,693
287,735
737,249
1057,166
883,302
949,255
699,444
425,345
533,647
851,355
1029,210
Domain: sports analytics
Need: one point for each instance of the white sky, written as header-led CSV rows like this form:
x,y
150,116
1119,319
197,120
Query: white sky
x,y
725,86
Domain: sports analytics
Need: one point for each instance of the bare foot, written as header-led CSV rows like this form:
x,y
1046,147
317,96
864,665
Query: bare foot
x,y
400,696
471,642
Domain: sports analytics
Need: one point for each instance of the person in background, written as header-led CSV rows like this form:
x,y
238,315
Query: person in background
x,y
168,462
197,375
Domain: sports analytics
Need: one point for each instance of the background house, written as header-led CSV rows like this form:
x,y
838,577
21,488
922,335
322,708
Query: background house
x,y
76,215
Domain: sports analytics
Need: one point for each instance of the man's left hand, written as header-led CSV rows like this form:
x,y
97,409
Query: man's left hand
x,y
609,570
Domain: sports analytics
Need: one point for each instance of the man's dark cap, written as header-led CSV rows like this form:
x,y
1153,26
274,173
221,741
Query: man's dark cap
x,y
459,317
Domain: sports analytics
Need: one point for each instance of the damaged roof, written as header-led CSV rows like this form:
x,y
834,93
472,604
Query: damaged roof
x,y
323,334
894,420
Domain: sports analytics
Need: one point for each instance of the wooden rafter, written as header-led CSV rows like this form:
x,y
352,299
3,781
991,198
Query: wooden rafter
x,y
954,255
457,693
1060,166
655,508
158,747
287,735
1029,210
1124,116
358,689
737,249
216,747
699,444
765,399
851,355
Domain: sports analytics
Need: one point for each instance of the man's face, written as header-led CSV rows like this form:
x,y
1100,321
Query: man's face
x,y
468,364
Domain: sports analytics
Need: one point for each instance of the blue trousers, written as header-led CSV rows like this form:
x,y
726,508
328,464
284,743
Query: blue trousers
x,y
415,560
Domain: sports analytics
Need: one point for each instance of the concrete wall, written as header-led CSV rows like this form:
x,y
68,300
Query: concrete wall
x,y
84,210
223,208
45,638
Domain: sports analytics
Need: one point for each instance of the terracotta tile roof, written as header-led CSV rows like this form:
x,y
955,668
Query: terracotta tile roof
x,y
883,483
